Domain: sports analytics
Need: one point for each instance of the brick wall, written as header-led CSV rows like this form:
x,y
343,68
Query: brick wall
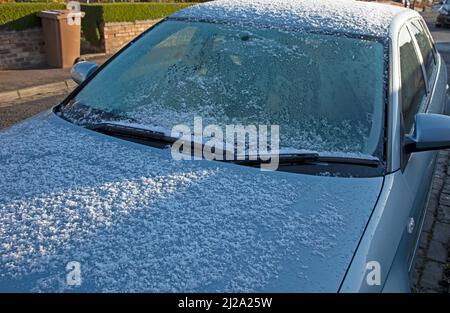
x,y
25,49
21,49
116,35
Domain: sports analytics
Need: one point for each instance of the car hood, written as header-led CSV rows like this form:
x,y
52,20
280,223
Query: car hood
x,y
136,220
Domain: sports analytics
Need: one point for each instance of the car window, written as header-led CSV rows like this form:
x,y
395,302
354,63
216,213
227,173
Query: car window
x,y
412,80
426,49
430,38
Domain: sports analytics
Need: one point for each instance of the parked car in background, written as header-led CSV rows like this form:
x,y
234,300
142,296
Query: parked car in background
x,y
443,18
359,92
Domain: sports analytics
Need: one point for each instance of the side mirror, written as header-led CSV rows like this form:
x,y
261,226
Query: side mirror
x,y
81,70
432,132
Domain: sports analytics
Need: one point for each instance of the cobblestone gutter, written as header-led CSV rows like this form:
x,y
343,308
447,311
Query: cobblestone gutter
x,y
432,272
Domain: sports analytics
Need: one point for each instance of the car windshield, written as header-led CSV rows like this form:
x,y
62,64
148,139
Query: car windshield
x,y
326,92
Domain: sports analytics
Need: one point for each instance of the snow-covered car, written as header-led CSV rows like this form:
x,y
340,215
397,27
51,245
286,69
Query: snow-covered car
x,y
443,18
91,198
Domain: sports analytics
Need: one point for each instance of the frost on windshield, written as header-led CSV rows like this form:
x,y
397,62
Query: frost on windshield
x,y
325,92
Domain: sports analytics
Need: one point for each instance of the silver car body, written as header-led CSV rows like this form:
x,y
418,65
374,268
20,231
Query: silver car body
x,y
405,193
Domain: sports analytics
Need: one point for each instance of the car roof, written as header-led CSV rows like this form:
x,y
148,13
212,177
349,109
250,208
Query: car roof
x,y
325,16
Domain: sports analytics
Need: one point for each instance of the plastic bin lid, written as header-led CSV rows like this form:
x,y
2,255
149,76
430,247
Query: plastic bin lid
x,y
59,14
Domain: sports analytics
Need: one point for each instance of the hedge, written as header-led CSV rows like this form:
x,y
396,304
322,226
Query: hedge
x,y
98,13
19,16
137,11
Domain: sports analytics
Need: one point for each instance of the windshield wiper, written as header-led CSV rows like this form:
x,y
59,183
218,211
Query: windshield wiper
x,y
140,135
282,159
303,158
351,161
160,140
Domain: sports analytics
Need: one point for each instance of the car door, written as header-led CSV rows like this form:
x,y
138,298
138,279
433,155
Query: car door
x,y
418,75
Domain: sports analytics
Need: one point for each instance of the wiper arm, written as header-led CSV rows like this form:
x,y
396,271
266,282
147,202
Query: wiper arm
x,y
284,159
302,158
140,135
349,160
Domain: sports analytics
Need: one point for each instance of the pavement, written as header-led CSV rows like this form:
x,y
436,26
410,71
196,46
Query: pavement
x,y
26,84
432,270
441,35
18,111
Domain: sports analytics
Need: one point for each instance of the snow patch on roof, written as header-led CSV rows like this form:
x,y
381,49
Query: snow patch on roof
x,y
346,16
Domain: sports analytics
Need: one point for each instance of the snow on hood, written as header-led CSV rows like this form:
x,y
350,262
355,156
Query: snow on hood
x,y
347,16
138,221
